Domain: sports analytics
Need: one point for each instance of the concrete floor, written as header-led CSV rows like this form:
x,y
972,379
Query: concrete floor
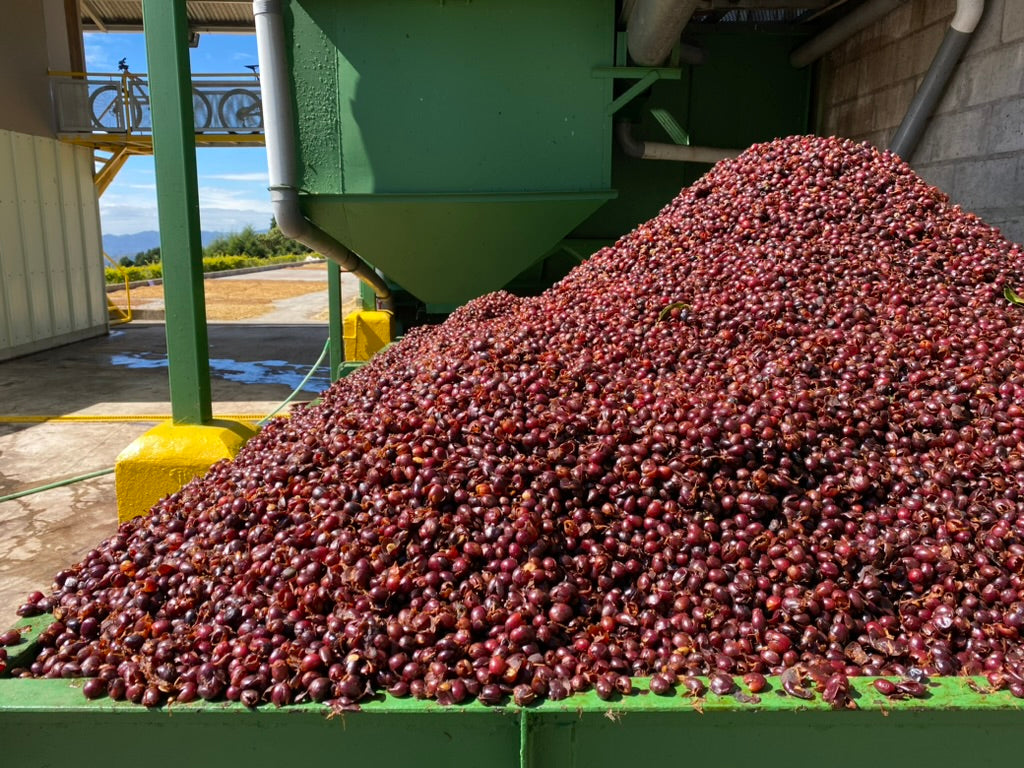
x,y
254,366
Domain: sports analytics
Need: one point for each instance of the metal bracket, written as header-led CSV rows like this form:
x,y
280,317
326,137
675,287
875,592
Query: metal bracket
x,y
645,77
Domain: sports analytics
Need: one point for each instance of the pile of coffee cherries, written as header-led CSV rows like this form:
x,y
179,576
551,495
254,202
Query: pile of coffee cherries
x,y
776,430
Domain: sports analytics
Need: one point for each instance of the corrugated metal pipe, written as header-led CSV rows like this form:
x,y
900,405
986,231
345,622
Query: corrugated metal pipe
x,y
649,150
279,133
654,27
965,21
842,30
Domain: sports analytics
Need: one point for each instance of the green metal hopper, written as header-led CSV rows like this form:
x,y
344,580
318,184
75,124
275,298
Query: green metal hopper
x,y
451,144
462,147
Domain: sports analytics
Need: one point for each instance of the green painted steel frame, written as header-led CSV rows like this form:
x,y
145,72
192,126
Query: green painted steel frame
x,y
44,722
334,318
645,77
174,156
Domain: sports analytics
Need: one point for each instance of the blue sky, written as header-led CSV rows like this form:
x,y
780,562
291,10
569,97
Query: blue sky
x,y
232,180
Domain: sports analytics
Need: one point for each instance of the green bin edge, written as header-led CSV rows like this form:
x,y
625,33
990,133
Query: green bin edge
x,y
42,721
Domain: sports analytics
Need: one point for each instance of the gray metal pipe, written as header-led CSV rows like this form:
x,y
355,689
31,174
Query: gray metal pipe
x,y
279,134
654,27
958,36
692,54
842,30
680,153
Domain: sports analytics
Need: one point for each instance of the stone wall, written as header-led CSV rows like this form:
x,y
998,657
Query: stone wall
x,y
973,149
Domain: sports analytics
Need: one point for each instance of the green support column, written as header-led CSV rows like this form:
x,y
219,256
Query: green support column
x,y
174,153
166,457
334,318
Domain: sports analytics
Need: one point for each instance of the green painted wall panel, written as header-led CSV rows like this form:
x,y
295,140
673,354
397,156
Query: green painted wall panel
x,y
483,96
747,91
315,89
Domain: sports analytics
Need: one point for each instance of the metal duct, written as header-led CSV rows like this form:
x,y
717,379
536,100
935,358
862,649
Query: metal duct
x,y
654,27
961,28
842,30
279,133
650,150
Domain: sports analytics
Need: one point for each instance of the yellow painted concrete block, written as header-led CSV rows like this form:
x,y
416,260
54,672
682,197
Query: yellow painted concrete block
x,y
166,457
366,333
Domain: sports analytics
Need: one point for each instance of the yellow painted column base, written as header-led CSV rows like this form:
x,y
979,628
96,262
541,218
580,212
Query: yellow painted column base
x,y
166,457
366,333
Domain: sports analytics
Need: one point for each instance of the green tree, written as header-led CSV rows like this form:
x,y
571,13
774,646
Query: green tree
x,y
152,256
254,244
244,243
279,245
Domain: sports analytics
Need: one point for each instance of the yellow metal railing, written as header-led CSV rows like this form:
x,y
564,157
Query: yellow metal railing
x,y
120,315
109,166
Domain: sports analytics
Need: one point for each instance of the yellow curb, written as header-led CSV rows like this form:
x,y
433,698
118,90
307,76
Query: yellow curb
x,y
166,457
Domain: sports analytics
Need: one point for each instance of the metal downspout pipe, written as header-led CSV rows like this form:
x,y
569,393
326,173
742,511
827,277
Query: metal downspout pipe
x,y
279,133
961,28
654,28
650,150
842,30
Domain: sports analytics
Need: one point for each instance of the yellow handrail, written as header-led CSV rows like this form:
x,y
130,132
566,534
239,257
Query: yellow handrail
x,y
126,314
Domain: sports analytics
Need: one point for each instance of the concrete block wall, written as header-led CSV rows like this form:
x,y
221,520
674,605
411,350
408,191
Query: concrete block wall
x,y
973,149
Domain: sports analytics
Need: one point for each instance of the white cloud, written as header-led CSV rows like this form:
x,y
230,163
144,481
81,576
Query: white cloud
x,y
124,219
101,52
132,208
233,199
231,220
254,176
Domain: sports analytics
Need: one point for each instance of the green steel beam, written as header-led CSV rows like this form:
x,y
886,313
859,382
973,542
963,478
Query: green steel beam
x,y
670,126
632,92
637,73
174,155
335,319
621,46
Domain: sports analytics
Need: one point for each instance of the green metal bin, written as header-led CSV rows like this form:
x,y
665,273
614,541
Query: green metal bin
x,y
50,723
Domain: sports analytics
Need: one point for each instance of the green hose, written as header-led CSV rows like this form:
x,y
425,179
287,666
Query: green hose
x,y
287,400
57,484
110,470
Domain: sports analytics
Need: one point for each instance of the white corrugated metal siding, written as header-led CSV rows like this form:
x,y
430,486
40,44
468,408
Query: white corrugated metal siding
x,y
51,259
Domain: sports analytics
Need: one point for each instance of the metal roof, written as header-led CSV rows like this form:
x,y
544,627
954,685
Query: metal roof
x,y
203,15
236,15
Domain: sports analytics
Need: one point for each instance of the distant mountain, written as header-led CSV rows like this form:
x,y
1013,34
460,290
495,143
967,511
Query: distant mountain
x,y
117,246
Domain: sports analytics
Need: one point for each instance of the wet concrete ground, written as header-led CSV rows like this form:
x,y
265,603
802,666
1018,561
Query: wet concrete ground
x,y
254,366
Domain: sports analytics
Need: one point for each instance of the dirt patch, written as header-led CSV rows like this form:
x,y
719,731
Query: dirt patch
x,y
231,299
